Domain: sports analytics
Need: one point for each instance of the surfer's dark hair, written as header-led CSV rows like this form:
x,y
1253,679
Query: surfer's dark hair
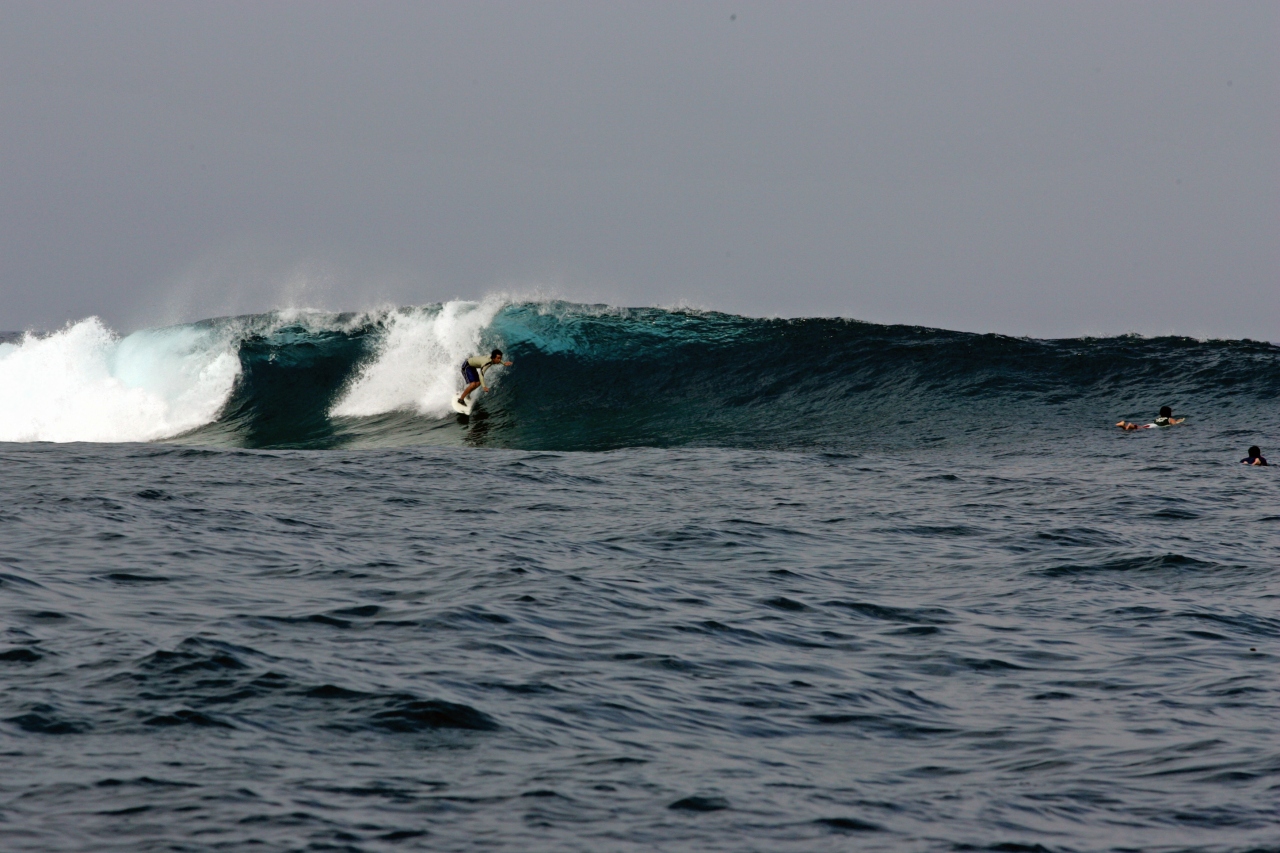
x,y
1254,451
497,353
1166,412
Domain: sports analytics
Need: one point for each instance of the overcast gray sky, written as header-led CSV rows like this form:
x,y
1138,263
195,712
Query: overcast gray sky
x,y
1031,168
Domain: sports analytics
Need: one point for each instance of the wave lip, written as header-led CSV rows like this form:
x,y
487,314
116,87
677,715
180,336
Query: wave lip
x,y
84,383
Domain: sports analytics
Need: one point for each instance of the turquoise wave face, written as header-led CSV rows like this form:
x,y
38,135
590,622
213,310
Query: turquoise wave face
x,y
596,378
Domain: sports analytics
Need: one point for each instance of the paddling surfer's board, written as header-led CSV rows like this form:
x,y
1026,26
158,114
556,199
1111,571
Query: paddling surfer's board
x,y
461,409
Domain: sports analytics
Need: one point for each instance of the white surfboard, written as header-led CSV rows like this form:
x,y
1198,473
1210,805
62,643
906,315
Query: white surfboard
x,y
461,409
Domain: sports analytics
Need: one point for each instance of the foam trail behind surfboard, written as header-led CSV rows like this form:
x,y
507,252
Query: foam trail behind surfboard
x,y
417,364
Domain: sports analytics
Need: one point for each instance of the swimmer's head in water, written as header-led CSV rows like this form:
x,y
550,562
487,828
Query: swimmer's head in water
x,y
1254,452
1166,412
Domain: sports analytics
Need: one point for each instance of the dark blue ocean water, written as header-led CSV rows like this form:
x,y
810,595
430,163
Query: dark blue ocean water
x,y
982,619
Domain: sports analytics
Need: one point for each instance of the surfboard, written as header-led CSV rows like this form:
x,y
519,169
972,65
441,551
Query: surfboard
x,y
461,409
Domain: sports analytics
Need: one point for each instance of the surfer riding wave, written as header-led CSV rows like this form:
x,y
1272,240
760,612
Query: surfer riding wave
x,y
473,370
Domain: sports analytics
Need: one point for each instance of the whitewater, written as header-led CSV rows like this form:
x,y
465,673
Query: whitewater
x,y
86,383
685,581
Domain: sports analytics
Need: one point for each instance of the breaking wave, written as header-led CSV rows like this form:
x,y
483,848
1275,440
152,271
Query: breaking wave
x,y
596,377
86,384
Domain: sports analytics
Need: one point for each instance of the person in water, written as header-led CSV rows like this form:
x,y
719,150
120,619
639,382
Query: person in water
x,y
1166,418
473,370
1255,457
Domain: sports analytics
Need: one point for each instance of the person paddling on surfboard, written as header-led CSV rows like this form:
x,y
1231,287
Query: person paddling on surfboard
x,y
1166,418
473,372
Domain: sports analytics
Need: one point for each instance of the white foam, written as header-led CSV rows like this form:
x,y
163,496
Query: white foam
x,y
417,367
84,383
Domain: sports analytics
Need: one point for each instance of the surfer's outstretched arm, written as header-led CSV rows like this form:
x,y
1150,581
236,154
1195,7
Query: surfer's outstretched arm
x,y
495,358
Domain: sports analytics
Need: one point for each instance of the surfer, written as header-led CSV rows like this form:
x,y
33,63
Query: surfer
x,y
1255,457
473,372
1166,418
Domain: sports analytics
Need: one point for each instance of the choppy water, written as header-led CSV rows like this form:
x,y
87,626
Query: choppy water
x,y
948,606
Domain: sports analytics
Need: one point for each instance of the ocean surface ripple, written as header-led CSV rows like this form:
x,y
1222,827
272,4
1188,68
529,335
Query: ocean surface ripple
x,y
1033,643
684,581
